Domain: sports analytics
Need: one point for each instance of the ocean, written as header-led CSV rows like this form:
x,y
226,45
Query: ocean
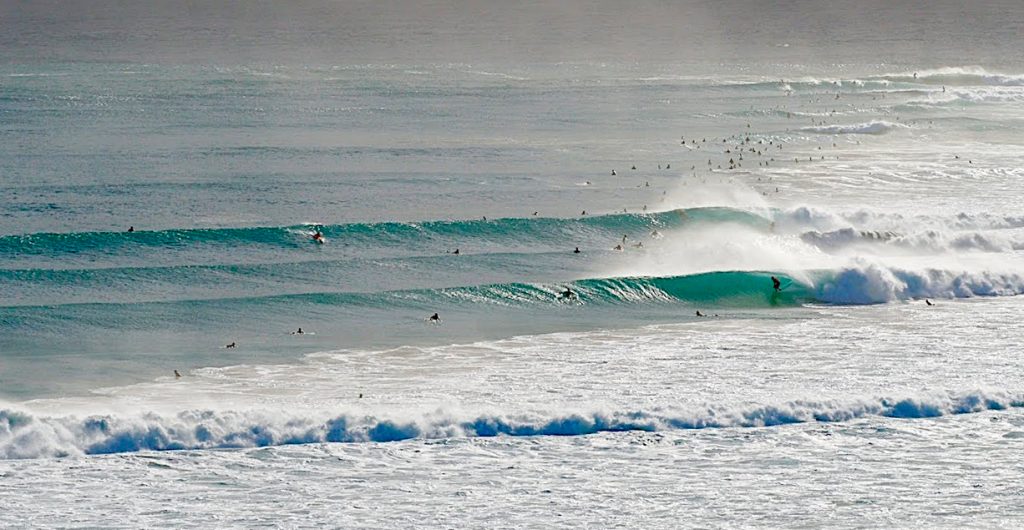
x,y
594,201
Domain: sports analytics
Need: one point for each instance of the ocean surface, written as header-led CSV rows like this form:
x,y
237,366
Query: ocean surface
x,y
597,230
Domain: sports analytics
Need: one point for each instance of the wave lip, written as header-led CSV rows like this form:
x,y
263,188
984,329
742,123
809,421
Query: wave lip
x,y
24,436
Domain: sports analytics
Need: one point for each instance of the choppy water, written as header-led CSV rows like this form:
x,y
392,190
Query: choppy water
x,y
844,399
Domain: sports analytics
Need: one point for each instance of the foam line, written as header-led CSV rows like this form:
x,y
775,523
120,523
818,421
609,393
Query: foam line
x,y
23,435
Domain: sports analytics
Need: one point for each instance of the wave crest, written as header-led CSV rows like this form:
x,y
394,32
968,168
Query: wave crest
x,y
23,435
957,76
872,284
873,127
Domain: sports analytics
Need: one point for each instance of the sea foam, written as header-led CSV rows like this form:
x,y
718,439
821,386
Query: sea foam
x,y
24,435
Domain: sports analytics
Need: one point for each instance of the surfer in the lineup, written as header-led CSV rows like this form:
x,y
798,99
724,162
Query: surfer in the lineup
x,y
927,301
776,284
700,314
567,294
434,319
299,332
232,345
131,229
577,251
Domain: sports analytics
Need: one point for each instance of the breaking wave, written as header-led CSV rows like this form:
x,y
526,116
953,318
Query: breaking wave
x,y
957,76
377,237
874,127
856,284
24,435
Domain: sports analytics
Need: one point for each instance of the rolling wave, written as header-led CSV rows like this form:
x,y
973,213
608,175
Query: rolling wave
x,y
952,76
957,76
735,287
874,127
966,95
858,284
365,235
290,244
24,435
807,216
930,240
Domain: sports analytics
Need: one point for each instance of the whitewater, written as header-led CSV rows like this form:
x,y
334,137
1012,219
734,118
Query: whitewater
x,y
597,228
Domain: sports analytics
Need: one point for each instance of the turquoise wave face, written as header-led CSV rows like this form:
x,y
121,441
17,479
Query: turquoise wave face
x,y
204,264
732,288
369,237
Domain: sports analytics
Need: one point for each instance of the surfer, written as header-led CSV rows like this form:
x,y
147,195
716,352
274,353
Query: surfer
x,y
700,314
577,251
617,247
927,301
299,332
567,294
456,252
434,319
131,229
177,375
776,284
318,237
232,345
